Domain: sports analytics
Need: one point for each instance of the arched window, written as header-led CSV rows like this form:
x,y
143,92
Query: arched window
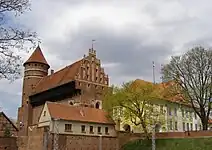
x,y
71,103
97,105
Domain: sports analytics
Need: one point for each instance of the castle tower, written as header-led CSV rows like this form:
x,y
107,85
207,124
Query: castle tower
x,y
35,68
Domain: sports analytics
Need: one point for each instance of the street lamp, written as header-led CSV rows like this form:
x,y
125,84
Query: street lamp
x,y
153,137
100,142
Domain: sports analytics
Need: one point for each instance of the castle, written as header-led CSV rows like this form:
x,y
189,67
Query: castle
x,y
72,95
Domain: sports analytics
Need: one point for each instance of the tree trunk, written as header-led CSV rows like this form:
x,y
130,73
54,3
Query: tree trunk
x,y
145,129
204,121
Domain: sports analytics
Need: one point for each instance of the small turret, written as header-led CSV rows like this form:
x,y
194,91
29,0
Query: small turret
x,y
36,65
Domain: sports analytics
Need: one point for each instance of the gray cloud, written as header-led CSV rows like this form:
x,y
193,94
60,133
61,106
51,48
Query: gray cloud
x,y
129,35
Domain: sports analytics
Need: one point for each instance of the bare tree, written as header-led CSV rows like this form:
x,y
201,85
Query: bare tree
x,y
192,73
13,37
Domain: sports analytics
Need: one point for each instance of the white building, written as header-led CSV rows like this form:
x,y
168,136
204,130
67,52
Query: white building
x,y
76,120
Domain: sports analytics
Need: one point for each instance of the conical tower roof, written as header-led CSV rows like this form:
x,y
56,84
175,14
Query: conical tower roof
x,y
37,57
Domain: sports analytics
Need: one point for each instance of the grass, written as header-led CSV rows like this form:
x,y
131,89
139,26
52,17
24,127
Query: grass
x,y
171,144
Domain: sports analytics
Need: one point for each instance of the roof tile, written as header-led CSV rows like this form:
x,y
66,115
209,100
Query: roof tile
x,y
37,56
77,113
60,77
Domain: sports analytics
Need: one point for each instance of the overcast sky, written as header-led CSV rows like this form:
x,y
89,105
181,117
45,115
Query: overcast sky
x,y
129,35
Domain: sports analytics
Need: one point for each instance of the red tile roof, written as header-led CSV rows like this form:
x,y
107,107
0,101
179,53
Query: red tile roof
x,y
14,126
37,57
77,113
60,77
162,90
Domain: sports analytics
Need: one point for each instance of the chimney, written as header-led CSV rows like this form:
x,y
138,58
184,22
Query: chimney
x,y
52,71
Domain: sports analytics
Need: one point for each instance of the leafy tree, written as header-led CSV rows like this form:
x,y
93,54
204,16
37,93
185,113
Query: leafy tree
x,y
13,37
134,99
7,132
192,75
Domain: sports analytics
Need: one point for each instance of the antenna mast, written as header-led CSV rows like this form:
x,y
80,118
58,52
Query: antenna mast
x,y
93,43
153,67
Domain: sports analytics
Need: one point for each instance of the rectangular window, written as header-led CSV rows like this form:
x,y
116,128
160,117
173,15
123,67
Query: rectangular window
x,y
187,114
83,128
91,129
187,126
169,111
99,129
183,126
170,124
161,108
106,130
182,113
191,126
176,126
196,127
68,127
175,111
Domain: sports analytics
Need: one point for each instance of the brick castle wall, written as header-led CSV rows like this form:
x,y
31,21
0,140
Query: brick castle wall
x,y
43,139
8,143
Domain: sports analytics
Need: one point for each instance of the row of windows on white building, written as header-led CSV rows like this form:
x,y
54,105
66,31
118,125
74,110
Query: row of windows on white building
x,y
68,128
187,114
186,126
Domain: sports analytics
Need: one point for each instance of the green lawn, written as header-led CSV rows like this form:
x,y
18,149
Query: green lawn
x,y
172,144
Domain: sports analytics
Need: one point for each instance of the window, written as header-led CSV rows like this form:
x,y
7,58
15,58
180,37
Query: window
x,y
44,113
170,124
96,78
68,127
83,128
191,126
97,105
91,129
169,111
183,126
88,85
99,130
182,113
175,126
71,103
187,114
175,111
187,126
161,108
106,130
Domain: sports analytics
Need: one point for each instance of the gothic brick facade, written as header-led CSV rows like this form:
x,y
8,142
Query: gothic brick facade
x,y
87,75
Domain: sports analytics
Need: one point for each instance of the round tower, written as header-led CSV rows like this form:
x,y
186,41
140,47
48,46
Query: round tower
x,y
35,69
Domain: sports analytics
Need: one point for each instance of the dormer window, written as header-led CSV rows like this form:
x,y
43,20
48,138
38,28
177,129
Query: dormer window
x,y
44,113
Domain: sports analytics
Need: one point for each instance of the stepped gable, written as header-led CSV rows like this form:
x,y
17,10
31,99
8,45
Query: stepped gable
x,y
77,113
60,77
37,57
